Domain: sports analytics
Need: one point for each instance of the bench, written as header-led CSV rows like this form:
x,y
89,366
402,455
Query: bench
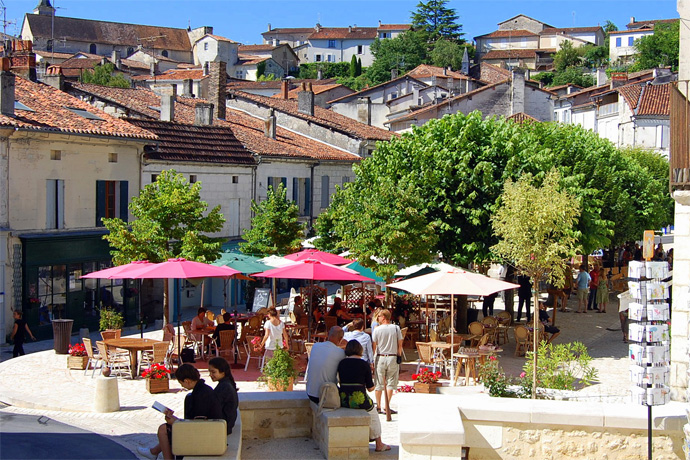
x,y
234,450
342,433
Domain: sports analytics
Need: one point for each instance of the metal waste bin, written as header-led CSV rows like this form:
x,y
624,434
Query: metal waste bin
x,y
62,332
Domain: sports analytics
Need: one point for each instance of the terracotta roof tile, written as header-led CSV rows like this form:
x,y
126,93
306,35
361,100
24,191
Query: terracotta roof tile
x,y
247,49
220,38
508,54
174,74
81,63
51,113
569,30
490,73
244,59
344,33
426,71
631,94
650,23
522,117
654,100
395,26
380,85
322,116
290,30
509,33
115,33
317,89
51,54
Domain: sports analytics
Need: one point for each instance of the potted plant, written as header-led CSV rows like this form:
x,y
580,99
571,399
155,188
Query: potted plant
x,y
78,357
110,319
157,378
280,371
426,381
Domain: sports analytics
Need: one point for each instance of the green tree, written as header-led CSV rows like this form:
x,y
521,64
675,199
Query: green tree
x,y
404,52
359,67
595,56
353,66
544,77
105,75
275,226
659,49
447,53
260,69
436,21
356,83
328,70
575,75
267,77
535,228
608,28
170,222
567,56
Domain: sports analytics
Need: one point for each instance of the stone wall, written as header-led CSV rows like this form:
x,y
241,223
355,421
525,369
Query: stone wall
x,y
681,296
267,415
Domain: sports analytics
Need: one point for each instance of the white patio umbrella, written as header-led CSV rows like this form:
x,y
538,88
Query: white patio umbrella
x,y
453,282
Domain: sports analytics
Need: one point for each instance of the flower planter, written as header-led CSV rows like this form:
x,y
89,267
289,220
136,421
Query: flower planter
x,y
157,385
429,388
279,386
77,362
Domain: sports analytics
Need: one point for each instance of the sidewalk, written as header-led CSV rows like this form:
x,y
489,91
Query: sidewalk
x,y
39,383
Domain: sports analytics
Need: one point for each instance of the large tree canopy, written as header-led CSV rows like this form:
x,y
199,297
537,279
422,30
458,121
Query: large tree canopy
x,y
436,21
659,49
404,52
453,170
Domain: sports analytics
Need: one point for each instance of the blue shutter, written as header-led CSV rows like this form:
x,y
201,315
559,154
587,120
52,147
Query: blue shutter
x,y
124,199
270,182
307,196
100,202
295,190
325,195
283,180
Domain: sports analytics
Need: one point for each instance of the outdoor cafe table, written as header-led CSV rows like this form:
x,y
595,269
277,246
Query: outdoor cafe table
x,y
134,346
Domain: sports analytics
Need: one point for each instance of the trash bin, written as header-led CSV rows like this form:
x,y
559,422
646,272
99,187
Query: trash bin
x,y
62,332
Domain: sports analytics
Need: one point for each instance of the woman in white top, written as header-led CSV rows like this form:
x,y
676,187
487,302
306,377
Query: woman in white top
x,y
275,333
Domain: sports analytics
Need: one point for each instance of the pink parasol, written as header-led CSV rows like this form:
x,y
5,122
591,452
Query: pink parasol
x,y
184,269
315,254
121,271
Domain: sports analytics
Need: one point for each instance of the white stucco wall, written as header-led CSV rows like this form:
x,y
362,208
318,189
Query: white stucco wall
x,y
343,51
624,50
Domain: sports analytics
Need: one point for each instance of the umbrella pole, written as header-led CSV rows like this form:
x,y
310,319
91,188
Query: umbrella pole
x,y
203,284
141,323
310,311
364,307
452,337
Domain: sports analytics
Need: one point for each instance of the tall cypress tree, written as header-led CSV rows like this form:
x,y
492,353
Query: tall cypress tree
x,y
436,21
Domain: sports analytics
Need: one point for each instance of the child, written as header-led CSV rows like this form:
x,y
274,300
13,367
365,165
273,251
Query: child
x,y
603,291
18,334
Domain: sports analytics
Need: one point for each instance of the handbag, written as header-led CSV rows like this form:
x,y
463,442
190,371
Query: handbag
x,y
329,397
187,355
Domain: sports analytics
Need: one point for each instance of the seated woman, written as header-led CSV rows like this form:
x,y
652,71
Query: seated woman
x,y
339,311
546,321
201,402
355,379
226,390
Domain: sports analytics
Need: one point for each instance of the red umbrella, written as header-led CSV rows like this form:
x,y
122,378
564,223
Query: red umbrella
x,y
121,271
315,254
313,270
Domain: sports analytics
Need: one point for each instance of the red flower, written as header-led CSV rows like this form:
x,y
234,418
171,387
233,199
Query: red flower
x,y
157,371
78,349
426,376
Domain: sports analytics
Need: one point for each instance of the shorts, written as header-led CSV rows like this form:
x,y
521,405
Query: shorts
x,y
387,366
582,295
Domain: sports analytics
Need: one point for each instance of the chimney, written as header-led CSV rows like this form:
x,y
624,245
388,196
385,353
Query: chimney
x,y
23,59
54,77
203,114
218,79
445,72
632,19
270,125
415,95
465,62
305,100
284,89
187,88
379,23
364,110
601,77
269,26
394,74
618,79
349,29
517,91
116,57
168,96
6,89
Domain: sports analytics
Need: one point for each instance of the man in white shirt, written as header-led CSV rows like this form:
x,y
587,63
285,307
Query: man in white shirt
x,y
323,363
356,332
387,343
199,323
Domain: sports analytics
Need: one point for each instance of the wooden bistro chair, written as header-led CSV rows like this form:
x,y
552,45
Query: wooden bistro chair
x,y
307,346
156,356
113,334
252,354
426,357
94,358
504,320
467,358
476,330
491,327
227,343
118,363
522,335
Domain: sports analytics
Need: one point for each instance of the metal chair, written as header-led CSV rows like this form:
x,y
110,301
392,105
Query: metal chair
x,y
155,356
94,358
253,354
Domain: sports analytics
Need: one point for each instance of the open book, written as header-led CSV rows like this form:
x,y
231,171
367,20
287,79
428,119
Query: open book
x,y
160,407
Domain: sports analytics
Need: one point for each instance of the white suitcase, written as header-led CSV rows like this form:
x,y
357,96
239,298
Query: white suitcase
x,y
199,437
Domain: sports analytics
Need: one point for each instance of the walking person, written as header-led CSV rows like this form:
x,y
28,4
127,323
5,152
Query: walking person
x,y
593,286
387,343
603,290
524,297
19,332
275,335
582,283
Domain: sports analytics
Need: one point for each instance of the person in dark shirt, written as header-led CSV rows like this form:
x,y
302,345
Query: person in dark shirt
x,y
224,326
524,296
201,402
226,390
19,334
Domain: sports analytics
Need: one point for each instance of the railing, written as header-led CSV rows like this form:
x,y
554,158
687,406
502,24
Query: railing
x,y
607,109
679,155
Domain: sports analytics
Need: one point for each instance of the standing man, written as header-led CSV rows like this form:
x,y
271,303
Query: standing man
x,y
356,332
323,363
582,282
524,297
387,344
593,286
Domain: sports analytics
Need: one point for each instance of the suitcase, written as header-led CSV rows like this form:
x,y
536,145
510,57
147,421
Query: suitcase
x,y
199,437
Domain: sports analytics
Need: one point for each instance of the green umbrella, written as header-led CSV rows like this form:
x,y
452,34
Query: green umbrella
x,y
364,271
241,262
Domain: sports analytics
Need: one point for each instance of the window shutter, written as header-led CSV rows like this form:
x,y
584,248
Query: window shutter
x,y
307,196
124,199
295,189
270,183
60,203
325,195
283,180
100,202
50,203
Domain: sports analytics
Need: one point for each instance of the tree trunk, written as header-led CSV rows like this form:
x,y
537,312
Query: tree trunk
x,y
535,335
461,318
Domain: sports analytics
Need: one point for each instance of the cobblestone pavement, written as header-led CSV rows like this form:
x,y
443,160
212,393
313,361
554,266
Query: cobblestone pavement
x,y
39,384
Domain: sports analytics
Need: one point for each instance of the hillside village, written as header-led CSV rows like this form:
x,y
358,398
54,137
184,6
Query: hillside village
x,y
199,103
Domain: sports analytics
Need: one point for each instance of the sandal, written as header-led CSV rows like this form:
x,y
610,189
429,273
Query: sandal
x,y
384,449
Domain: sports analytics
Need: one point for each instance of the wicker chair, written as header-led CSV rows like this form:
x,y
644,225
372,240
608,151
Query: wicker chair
x,y
111,334
522,345
476,330
157,356
427,358
94,358
227,343
253,354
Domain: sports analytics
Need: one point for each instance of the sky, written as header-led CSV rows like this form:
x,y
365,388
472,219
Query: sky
x,y
244,20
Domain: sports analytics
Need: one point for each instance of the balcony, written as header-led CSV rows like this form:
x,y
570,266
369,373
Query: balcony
x,y
679,157
607,109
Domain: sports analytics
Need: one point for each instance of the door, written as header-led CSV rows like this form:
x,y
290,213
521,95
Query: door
x,y
233,217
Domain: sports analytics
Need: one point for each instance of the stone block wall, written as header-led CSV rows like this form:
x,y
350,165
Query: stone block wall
x,y
275,415
341,434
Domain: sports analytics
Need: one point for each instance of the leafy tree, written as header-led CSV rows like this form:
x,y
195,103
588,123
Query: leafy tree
x,y
659,49
608,28
353,66
356,83
328,70
275,226
447,53
404,52
544,77
595,56
267,77
566,56
359,67
575,75
104,75
260,69
169,223
436,21
535,227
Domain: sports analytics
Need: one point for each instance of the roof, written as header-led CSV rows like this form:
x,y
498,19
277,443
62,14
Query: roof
x,y
570,30
655,100
244,59
181,142
508,33
290,30
524,16
250,48
115,33
508,54
376,87
428,108
323,117
344,33
649,23
642,30
490,73
51,54
81,63
245,128
426,71
394,26
174,74
317,89
219,38
522,117
51,113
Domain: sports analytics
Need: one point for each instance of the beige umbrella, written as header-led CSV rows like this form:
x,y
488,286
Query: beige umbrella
x,y
453,282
